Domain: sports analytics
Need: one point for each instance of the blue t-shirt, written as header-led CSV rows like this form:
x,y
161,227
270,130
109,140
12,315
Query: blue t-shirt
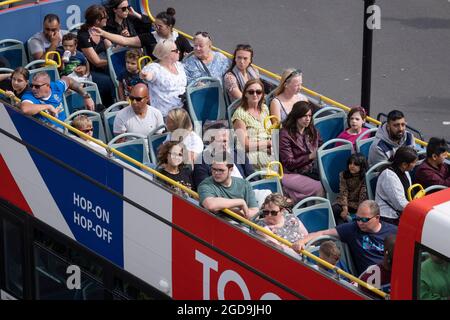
x,y
366,248
56,100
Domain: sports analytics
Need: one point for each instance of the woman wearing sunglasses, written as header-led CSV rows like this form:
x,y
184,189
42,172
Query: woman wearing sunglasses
x,y
275,217
248,122
84,124
287,94
166,78
121,17
171,164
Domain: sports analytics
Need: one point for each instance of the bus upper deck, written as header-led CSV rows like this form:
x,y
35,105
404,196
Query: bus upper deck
x,y
107,209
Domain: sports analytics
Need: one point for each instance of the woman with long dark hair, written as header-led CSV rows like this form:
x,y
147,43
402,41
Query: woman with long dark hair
x,y
15,83
299,141
240,71
393,183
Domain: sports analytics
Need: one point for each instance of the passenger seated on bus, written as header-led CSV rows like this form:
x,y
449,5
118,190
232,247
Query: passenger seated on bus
x,y
352,188
364,236
179,125
94,48
222,190
392,185
434,279
138,117
204,62
48,39
47,96
171,157
355,120
299,141
76,66
166,78
84,124
379,275
287,94
240,72
277,218
389,137
248,123
122,18
15,84
219,135
433,170
130,76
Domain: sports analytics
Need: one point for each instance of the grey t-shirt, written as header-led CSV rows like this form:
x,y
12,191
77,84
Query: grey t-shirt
x,y
239,189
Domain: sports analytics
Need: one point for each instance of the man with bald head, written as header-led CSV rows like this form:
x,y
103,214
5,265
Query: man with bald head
x,y
364,236
138,117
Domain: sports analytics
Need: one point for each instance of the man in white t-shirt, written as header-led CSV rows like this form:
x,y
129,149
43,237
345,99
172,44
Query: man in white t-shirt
x,y
138,117
48,39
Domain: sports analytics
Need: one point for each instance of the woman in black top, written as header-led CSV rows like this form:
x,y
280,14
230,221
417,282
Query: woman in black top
x,y
164,23
124,20
15,83
94,48
171,164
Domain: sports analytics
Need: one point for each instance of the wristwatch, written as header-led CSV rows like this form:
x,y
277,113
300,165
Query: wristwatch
x,y
86,96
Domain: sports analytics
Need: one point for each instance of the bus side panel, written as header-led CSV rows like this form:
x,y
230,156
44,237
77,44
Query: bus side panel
x,y
199,270
410,232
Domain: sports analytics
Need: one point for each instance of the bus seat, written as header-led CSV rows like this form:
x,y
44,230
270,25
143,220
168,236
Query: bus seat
x,y
330,122
372,178
39,65
315,217
99,131
154,142
12,54
136,147
231,109
333,161
75,101
363,145
109,114
116,64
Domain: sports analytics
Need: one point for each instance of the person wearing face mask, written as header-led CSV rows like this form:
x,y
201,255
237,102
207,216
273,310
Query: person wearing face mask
x,y
390,136
287,94
204,62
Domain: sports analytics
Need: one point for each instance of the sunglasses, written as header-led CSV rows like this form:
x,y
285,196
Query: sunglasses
x,y
127,8
265,213
252,92
87,130
203,34
37,86
364,220
138,99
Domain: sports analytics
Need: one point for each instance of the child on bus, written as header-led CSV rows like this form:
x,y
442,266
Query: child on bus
x,y
73,62
352,188
130,76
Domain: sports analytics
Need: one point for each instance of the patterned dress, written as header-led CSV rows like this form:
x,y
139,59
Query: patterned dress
x,y
290,230
255,132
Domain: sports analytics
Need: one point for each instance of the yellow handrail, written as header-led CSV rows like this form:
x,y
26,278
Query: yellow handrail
x,y
51,62
272,173
9,2
253,225
272,126
142,59
419,193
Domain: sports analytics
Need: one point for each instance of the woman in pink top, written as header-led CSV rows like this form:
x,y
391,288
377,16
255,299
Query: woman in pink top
x,y
355,120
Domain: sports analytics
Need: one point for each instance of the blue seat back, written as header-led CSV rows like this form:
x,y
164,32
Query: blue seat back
x,y
362,144
315,217
333,161
205,101
329,125
12,54
154,142
372,178
231,109
97,123
109,114
75,101
116,64
39,65
136,148
272,183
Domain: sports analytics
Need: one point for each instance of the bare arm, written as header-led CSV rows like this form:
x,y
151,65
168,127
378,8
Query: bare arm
x,y
118,39
93,57
76,86
275,110
300,244
4,76
32,109
216,204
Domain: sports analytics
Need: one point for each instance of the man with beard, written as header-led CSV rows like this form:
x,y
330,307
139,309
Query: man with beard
x,y
390,136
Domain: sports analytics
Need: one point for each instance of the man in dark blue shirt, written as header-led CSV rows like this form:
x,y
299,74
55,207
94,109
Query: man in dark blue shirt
x,y
47,96
364,236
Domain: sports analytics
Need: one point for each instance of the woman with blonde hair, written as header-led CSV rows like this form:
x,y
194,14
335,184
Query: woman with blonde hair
x,y
166,78
179,125
287,93
248,122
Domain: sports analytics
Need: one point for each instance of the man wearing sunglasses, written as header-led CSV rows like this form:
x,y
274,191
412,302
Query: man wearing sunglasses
x,y
138,117
222,190
47,96
48,39
364,236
